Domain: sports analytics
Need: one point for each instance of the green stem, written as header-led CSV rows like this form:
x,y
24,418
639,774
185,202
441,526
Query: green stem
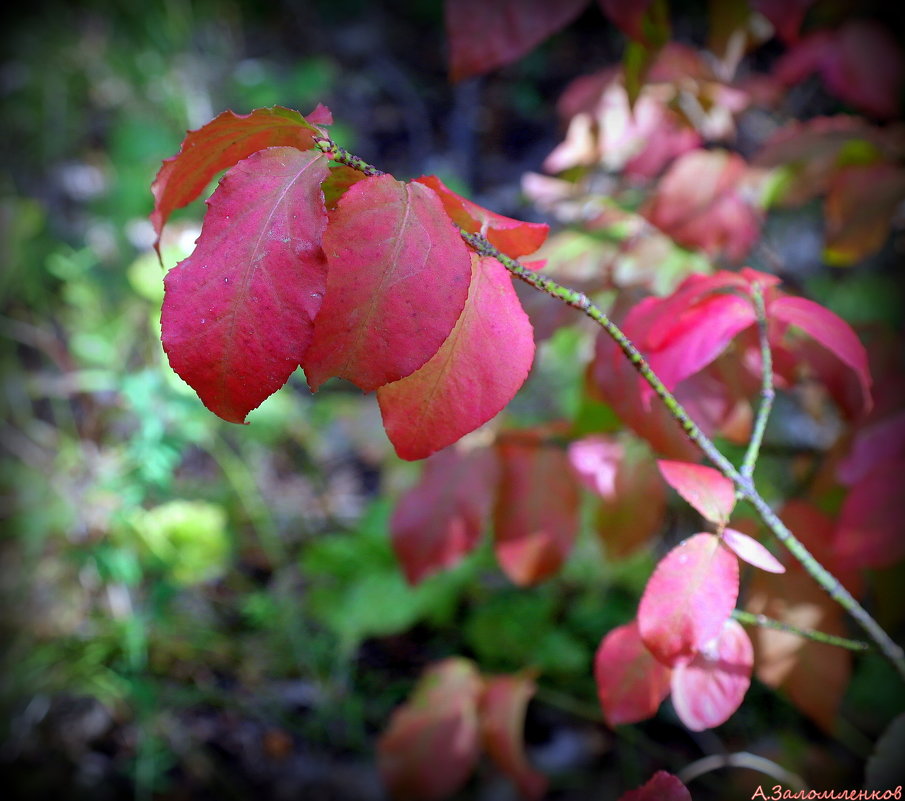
x,y
767,393
763,621
744,484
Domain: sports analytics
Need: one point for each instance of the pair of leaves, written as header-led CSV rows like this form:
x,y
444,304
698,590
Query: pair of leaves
x,y
527,488
706,689
433,741
685,332
380,290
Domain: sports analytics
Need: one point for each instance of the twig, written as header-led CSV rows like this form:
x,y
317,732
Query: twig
x,y
742,759
767,393
744,485
763,621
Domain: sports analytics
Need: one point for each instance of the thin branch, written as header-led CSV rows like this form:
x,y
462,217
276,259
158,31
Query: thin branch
x,y
818,636
742,759
744,484
767,393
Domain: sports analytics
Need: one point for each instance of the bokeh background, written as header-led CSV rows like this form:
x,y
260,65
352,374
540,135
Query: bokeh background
x,y
196,610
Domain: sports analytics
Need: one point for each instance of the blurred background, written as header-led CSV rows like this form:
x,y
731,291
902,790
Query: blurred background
x,y
196,610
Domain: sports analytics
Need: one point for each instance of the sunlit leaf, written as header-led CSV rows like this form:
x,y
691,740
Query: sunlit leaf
x,y
397,279
237,314
751,551
224,141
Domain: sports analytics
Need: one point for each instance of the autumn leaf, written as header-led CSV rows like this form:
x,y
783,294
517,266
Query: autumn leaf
x,y
502,716
221,143
237,314
470,379
441,518
536,516
662,786
710,687
690,595
397,280
631,683
432,743
485,34
515,238
706,489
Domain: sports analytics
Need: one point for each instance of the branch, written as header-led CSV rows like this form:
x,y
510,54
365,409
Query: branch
x,y
743,483
818,636
767,393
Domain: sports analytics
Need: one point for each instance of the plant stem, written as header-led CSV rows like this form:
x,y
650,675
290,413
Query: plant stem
x,y
818,636
744,485
767,393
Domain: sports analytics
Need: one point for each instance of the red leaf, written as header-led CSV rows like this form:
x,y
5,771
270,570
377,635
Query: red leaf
x,y
397,281
707,690
699,203
751,551
237,314
631,684
512,237
441,518
219,144
706,489
338,181
432,743
870,527
662,786
474,374
486,34
536,516
829,330
688,598
502,714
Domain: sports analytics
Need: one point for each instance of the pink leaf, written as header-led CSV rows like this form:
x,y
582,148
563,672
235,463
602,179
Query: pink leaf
x,y
432,743
397,279
751,551
512,237
474,374
631,684
662,786
699,202
441,518
502,714
688,598
224,141
786,16
706,489
829,330
237,314
707,690
536,516
486,34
